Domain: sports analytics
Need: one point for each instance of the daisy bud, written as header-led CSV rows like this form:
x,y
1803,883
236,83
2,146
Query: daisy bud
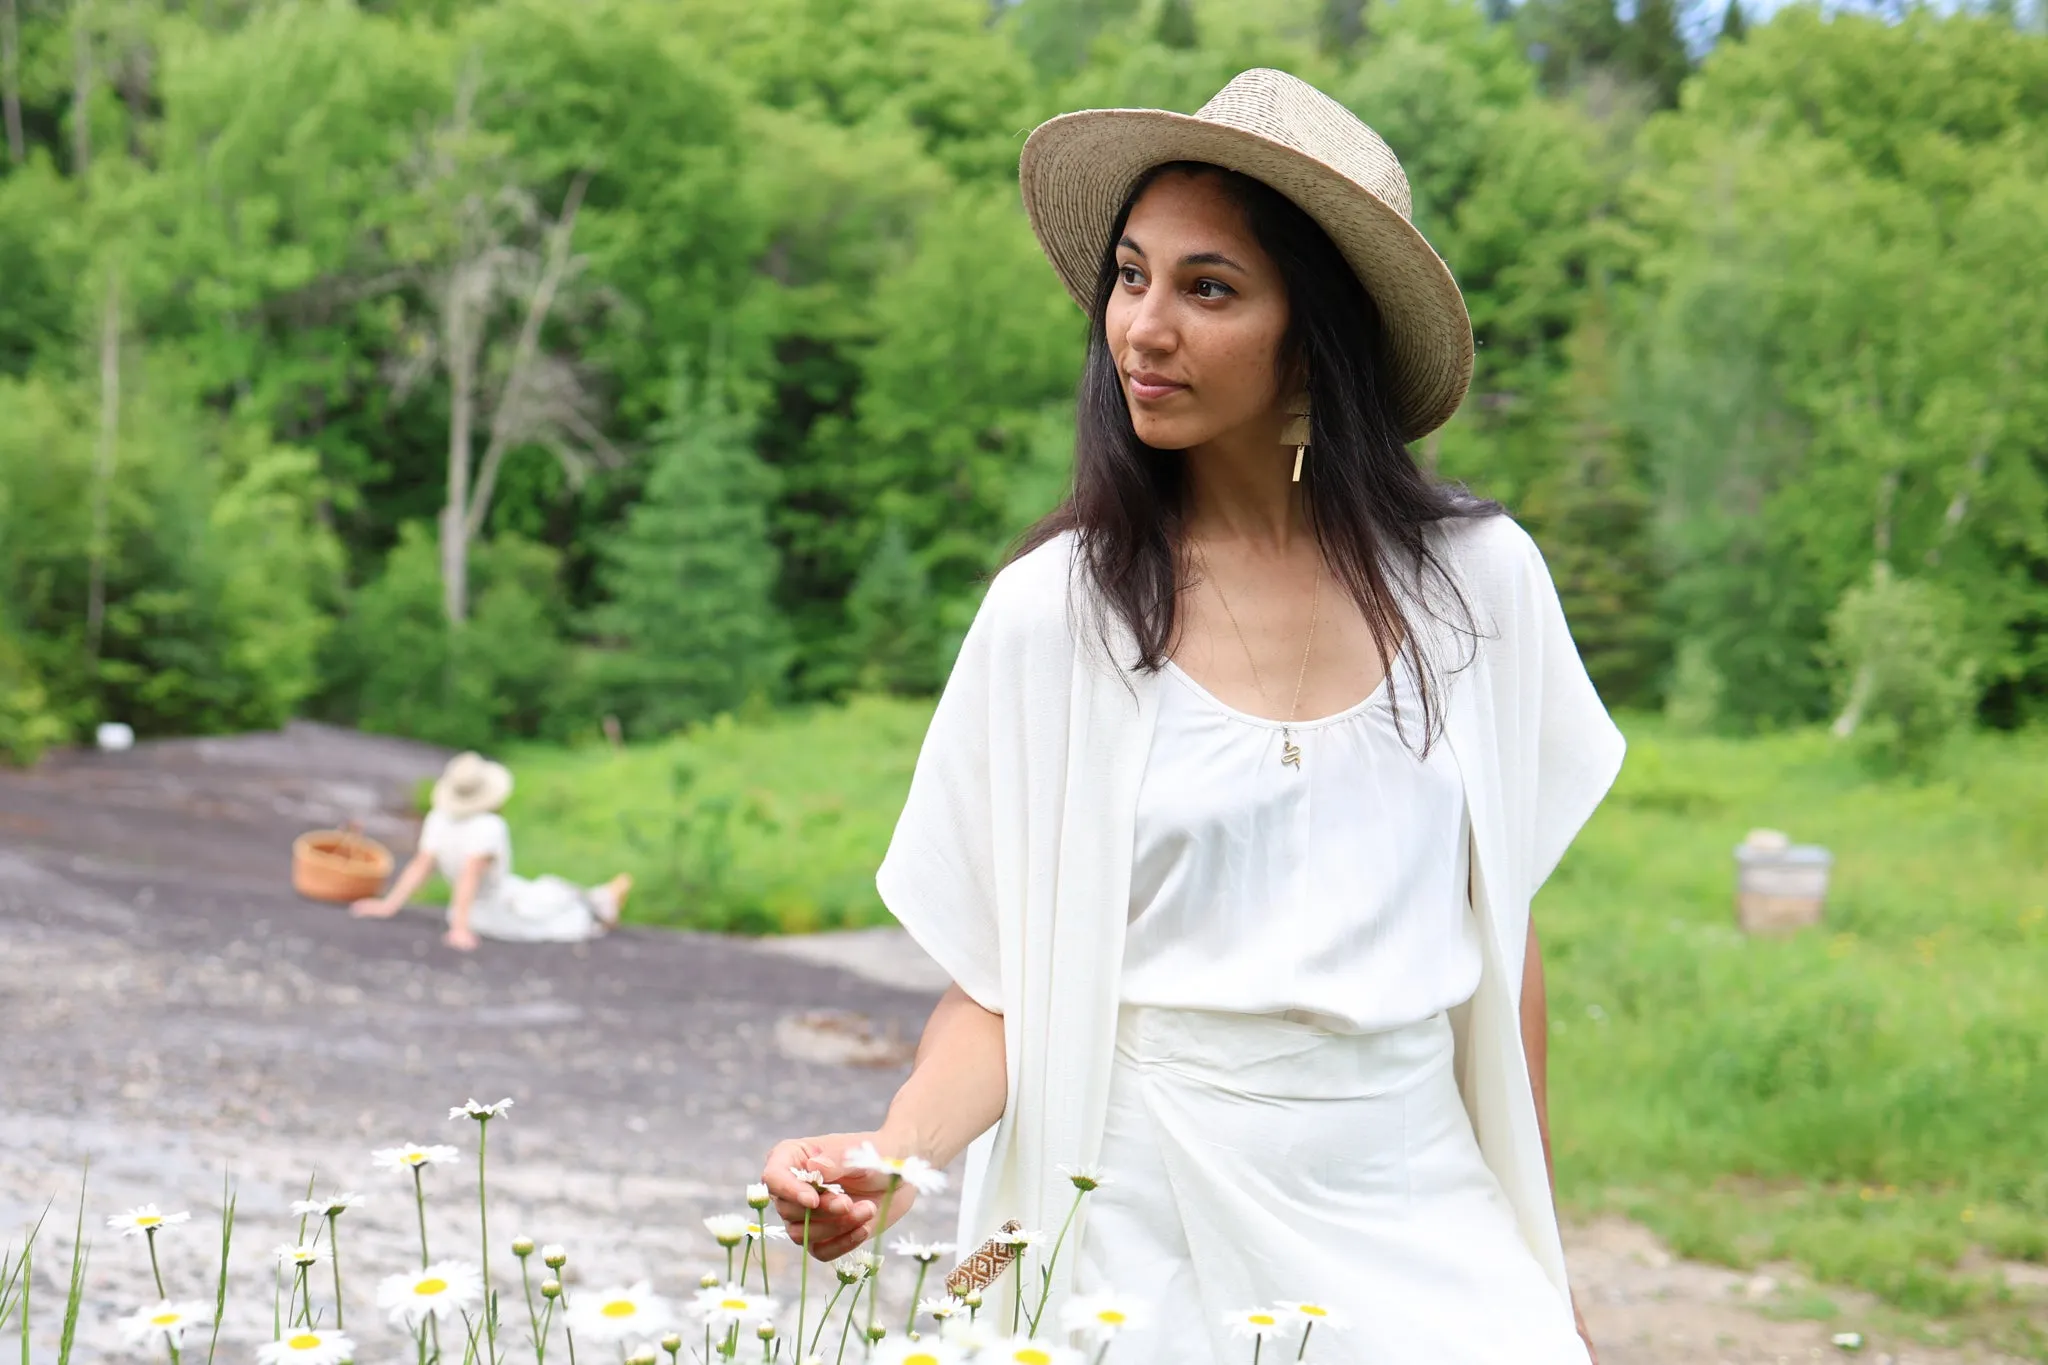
x,y
554,1256
766,1331
522,1247
876,1333
551,1289
672,1343
643,1356
973,1299
709,1280
757,1197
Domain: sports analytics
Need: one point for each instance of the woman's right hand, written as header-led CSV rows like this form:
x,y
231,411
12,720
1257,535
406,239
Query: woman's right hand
x,y
839,1222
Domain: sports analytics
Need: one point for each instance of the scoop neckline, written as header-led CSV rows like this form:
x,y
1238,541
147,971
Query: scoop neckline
x,y
1265,723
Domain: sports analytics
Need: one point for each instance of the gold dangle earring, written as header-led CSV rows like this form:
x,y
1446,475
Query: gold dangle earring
x,y
1295,432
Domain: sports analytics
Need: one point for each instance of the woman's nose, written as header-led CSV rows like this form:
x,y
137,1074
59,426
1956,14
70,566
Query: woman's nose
x,y
1150,328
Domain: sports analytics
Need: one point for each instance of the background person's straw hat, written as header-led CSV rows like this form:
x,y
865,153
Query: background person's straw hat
x,y
470,785
1077,169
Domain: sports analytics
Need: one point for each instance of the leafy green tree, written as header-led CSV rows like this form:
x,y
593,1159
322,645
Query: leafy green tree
x,y
689,620
1903,673
895,623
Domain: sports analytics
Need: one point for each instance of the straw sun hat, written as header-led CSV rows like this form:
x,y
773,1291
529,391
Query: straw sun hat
x,y
470,785
1077,170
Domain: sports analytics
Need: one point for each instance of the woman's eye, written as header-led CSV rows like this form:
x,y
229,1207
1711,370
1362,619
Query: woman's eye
x,y
1131,275
1211,289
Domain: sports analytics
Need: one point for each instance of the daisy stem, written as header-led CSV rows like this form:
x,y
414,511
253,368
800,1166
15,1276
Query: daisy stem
x,y
1017,1306
881,1226
824,1318
569,1335
764,1255
1102,1351
419,1198
334,1254
1302,1354
1045,1292
923,1268
851,1309
150,1235
302,1290
803,1293
728,1265
1258,1344
420,1340
483,1219
540,1351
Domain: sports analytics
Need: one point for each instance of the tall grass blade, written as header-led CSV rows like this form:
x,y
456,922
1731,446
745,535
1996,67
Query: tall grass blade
x,y
80,1252
220,1284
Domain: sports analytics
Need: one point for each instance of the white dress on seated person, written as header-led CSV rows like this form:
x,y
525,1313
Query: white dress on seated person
x,y
1284,1120
535,910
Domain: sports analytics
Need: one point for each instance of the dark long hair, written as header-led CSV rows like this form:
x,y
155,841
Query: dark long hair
x,y
1370,505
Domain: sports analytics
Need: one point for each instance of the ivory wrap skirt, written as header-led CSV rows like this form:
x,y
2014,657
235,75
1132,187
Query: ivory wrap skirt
x,y
1255,1158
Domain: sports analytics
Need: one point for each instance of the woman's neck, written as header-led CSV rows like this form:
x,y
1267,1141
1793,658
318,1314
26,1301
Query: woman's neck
x,y
1240,488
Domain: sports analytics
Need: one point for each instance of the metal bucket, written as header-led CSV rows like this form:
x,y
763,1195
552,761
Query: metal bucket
x,y
1780,886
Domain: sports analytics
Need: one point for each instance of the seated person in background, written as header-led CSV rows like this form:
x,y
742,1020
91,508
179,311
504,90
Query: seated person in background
x,y
468,840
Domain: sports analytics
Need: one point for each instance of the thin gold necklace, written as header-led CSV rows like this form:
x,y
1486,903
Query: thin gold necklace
x,y
1290,752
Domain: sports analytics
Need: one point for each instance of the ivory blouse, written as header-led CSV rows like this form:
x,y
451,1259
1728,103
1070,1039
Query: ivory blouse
x,y
1334,891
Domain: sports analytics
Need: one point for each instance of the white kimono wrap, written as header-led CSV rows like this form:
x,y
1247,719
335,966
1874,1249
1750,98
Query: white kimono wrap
x,y
1011,862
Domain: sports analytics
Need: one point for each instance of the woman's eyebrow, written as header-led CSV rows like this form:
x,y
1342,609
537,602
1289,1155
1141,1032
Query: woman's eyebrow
x,y
1197,258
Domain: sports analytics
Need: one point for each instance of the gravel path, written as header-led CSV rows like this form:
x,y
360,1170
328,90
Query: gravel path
x,y
173,1012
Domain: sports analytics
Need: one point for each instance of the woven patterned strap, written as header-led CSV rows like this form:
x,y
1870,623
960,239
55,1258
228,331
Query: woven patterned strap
x,y
985,1266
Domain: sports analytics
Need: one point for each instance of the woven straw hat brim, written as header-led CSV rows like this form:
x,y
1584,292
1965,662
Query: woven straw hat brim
x,y
492,788
1077,169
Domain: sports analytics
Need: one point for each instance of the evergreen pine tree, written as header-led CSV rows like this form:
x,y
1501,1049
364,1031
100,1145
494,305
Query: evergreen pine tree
x,y
690,618
1176,27
1733,25
1341,24
895,629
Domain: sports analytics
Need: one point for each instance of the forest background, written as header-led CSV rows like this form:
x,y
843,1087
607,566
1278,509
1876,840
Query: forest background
x,y
481,370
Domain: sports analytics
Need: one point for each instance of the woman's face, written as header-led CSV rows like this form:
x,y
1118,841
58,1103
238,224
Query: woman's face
x,y
1196,319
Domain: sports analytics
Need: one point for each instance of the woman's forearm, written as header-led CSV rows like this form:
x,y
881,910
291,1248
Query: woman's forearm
x,y
410,879
957,1086
463,896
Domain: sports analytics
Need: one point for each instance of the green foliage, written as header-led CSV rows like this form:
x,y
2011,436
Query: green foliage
x,y
399,667
894,630
690,617
1901,668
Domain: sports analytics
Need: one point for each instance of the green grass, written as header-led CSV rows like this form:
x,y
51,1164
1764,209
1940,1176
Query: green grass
x,y
1869,1099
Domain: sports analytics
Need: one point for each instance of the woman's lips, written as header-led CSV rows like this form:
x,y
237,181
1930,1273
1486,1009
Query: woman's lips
x,y
1150,388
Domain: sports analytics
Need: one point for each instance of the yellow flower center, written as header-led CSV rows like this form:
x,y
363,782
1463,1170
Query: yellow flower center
x,y
304,1341
1262,1319
1031,1355
735,1305
921,1358
1111,1316
148,1220
431,1286
618,1308
165,1319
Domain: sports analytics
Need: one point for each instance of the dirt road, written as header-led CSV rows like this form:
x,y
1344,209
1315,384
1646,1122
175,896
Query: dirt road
x,y
172,1011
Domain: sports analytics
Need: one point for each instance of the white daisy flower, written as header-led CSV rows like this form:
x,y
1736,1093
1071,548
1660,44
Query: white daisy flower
x,y
969,1334
1314,1314
299,1255
332,1205
1023,1351
816,1180
303,1346
1022,1239
1103,1315
480,1112
409,1156
941,1309
914,1171
922,1252
757,1233
1087,1177
620,1313
917,1353
1257,1324
728,1229
167,1320
854,1266
727,1305
443,1290
146,1220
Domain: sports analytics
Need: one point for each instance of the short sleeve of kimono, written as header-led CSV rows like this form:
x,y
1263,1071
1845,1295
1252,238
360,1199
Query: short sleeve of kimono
x,y
938,877
1578,746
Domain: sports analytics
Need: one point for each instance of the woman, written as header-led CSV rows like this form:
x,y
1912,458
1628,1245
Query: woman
x,y
1228,821
466,838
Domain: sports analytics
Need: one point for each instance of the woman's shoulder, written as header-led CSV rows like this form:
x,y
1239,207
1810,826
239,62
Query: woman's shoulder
x,y
1033,594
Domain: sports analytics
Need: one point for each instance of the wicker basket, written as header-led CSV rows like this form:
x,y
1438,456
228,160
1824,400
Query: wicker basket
x,y
339,865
